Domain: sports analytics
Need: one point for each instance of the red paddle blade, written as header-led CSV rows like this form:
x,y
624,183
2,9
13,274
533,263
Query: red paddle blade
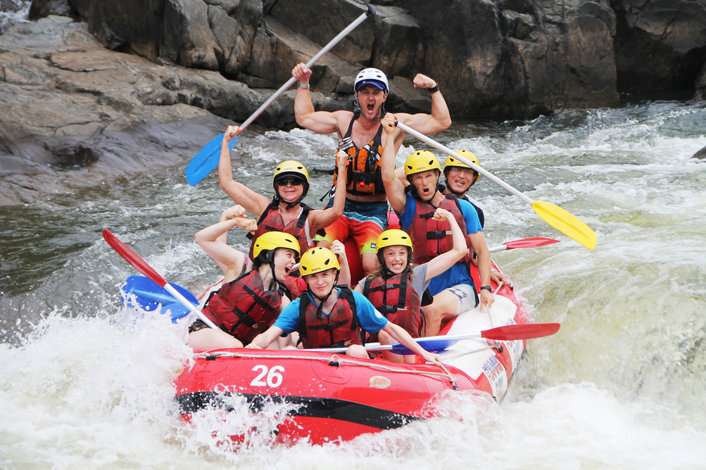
x,y
530,242
516,332
133,258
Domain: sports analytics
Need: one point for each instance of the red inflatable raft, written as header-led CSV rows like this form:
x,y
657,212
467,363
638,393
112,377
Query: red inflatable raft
x,y
331,397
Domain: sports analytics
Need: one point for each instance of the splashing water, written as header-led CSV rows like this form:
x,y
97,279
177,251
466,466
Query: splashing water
x,y
84,384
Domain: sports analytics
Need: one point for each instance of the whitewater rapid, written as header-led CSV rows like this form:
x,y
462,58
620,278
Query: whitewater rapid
x,y
85,384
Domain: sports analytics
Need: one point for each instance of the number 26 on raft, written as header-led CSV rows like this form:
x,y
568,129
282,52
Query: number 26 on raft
x,y
267,378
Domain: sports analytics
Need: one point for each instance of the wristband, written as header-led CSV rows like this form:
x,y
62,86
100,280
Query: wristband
x,y
434,89
303,85
488,288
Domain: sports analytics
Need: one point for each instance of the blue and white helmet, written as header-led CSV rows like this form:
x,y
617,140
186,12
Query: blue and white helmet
x,y
371,76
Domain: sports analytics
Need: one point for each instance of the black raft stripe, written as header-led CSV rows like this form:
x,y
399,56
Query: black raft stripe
x,y
313,407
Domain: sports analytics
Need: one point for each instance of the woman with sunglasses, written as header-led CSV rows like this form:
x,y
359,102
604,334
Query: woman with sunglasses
x,y
285,211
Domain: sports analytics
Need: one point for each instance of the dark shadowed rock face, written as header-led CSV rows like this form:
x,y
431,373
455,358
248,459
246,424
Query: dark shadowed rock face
x,y
71,91
502,58
660,45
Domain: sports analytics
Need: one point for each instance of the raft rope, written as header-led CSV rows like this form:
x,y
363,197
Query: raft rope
x,y
334,360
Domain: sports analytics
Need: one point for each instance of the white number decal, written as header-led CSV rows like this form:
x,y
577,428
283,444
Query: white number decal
x,y
272,378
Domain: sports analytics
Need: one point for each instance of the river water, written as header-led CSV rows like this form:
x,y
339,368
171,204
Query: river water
x,y
85,385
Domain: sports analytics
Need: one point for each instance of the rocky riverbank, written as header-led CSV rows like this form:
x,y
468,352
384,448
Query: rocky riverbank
x,y
114,87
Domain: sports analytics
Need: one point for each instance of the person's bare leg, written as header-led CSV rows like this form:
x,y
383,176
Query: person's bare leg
x,y
443,307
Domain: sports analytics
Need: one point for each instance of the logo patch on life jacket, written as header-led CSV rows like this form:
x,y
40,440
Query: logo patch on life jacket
x,y
378,381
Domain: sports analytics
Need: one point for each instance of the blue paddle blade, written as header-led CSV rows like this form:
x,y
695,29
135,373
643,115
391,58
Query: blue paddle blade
x,y
430,344
206,160
149,296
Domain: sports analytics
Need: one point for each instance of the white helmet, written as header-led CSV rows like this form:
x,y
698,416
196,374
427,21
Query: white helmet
x,y
371,76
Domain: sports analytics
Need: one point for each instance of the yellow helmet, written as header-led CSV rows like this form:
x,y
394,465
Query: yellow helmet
x,y
316,260
273,240
452,162
393,237
291,168
421,160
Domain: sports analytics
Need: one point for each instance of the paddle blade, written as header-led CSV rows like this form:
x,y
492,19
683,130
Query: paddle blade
x,y
148,295
529,243
206,160
431,344
517,332
148,292
133,258
566,223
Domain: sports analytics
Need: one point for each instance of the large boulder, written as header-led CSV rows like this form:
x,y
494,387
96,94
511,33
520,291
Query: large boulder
x,y
75,113
660,45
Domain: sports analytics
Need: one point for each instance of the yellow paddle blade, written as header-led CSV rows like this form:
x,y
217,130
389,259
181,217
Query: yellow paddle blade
x,y
566,223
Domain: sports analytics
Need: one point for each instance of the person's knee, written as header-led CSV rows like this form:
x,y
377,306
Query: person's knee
x,y
356,350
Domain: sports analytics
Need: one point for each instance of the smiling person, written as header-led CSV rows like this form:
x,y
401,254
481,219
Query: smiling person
x,y
397,288
285,211
327,315
459,178
365,211
247,305
416,206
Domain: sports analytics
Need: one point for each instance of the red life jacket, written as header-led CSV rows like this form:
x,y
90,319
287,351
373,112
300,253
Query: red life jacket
x,y
295,285
339,328
272,220
243,307
433,237
397,300
364,175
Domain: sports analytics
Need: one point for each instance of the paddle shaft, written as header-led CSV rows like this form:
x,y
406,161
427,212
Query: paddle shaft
x,y
141,265
479,169
524,243
560,219
500,333
370,12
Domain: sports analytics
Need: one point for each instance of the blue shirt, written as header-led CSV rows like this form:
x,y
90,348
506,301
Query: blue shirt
x,y
457,273
370,319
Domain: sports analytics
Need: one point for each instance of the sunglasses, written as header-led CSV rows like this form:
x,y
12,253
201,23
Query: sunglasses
x,y
290,181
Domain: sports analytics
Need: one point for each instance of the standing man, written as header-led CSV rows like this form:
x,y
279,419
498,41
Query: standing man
x,y
453,290
365,212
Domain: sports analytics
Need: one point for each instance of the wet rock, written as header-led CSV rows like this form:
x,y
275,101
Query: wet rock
x,y
10,5
43,8
700,86
660,46
701,154
75,113
140,66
